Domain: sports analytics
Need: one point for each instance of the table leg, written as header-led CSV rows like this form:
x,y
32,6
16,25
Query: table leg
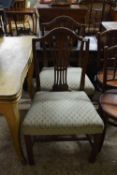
x,y
30,80
10,111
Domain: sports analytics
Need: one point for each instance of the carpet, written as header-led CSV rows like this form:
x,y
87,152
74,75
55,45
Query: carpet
x,y
57,158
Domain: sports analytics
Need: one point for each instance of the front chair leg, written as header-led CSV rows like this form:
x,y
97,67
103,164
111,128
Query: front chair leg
x,y
29,149
96,146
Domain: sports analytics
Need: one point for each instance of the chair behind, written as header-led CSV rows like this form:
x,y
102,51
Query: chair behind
x,y
110,68
106,38
58,45
108,100
98,10
64,21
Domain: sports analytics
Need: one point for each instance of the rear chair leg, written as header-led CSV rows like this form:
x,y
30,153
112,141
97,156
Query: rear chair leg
x,y
96,146
29,149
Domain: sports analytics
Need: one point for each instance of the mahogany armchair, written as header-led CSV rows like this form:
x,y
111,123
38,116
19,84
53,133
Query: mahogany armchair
x,y
61,111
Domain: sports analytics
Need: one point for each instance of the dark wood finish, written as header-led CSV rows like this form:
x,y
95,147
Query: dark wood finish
x,y
64,21
108,102
96,146
106,77
28,143
59,44
110,83
114,14
108,107
98,11
50,1
79,29
68,22
106,38
77,12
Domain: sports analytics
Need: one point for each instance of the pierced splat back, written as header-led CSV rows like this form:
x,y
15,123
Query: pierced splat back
x,y
58,46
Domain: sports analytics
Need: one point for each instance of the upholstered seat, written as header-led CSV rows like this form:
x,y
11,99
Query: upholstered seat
x,y
62,113
73,79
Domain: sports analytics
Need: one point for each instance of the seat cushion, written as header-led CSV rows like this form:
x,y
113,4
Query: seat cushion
x,y
62,113
73,79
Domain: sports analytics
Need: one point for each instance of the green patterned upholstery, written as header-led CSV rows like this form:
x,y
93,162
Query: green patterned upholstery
x,y
62,113
73,79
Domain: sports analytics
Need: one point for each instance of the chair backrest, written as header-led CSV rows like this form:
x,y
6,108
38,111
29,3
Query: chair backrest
x,y
110,67
106,38
64,21
58,46
98,11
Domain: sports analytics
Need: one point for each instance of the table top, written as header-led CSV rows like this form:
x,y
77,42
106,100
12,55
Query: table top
x,y
15,57
109,25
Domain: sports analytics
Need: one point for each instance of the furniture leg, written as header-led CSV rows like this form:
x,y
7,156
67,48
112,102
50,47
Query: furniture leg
x,y
30,80
11,112
29,149
96,146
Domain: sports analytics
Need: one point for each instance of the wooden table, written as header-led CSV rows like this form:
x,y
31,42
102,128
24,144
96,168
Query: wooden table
x,y
47,12
15,60
109,25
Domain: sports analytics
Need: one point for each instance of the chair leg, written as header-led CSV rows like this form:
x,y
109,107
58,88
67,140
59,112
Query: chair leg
x,y
29,149
96,146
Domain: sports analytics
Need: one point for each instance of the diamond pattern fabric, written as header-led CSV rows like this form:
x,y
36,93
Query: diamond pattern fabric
x,y
62,113
73,79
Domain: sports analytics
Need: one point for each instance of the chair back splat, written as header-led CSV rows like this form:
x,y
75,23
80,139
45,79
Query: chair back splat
x,y
58,45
